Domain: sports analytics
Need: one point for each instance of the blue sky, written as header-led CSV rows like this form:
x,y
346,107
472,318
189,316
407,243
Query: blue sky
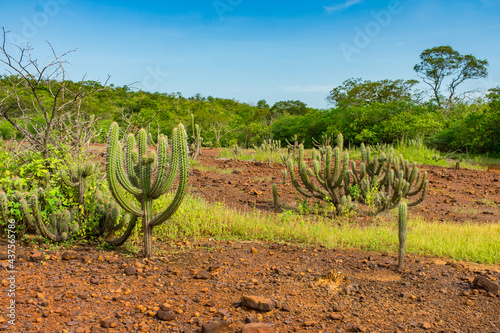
x,y
252,50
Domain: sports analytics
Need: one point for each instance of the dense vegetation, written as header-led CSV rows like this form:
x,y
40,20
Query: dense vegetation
x,y
463,127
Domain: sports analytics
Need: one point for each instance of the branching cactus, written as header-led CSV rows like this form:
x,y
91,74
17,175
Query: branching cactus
x,y
60,224
76,179
404,181
329,174
147,177
389,179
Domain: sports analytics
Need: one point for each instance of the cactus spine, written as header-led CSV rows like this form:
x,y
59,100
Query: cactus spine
x,y
402,234
134,174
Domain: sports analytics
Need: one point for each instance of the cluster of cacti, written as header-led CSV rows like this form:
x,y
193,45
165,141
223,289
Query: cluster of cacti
x,y
402,226
390,178
76,179
383,179
268,146
196,139
329,169
61,224
147,177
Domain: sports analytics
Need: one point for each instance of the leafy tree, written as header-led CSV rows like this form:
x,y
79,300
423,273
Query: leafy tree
x,y
356,92
443,63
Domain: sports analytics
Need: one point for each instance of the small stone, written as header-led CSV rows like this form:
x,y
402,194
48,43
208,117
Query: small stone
x,y
215,327
94,281
130,271
310,323
203,275
257,328
251,319
357,328
72,323
426,326
253,250
336,316
108,323
257,302
339,307
165,315
68,256
36,257
486,284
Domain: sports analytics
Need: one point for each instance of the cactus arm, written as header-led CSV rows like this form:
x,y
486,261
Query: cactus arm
x,y
126,234
161,173
66,180
37,220
422,197
295,183
125,181
180,146
111,165
419,188
131,160
174,167
315,191
343,171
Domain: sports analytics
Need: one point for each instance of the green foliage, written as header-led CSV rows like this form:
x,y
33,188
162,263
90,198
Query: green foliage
x,y
355,92
444,64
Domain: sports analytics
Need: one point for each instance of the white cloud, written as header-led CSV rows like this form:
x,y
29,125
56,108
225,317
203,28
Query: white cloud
x,y
341,6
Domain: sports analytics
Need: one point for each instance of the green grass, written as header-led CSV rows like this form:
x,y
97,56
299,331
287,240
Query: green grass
x,y
471,242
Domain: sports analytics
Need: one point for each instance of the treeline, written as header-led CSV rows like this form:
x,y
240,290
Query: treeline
x,y
363,111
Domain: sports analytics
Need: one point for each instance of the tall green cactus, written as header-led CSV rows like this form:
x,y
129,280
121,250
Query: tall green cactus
x,y
330,179
134,174
403,223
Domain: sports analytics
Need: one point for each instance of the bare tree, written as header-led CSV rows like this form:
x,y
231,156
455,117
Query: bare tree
x,y
40,103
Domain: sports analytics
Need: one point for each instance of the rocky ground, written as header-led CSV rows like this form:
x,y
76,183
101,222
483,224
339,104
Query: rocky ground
x,y
211,286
